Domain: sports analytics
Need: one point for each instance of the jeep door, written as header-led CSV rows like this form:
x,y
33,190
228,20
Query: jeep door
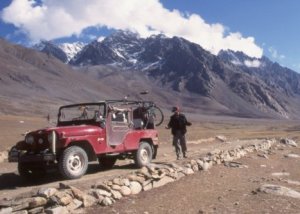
x,y
117,127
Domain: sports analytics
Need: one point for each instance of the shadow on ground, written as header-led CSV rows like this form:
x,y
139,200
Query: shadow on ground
x,y
12,180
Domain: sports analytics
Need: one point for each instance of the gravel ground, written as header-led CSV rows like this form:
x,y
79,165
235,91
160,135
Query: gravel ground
x,y
223,189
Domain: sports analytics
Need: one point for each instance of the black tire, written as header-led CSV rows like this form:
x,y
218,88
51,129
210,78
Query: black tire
x,y
30,171
107,162
73,162
143,155
159,116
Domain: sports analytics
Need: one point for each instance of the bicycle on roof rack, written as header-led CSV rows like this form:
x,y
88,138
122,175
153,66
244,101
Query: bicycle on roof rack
x,y
146,111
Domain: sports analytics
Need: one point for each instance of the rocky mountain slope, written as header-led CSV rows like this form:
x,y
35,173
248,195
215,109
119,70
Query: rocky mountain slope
x,y
174,70
64,51
231,79
37,83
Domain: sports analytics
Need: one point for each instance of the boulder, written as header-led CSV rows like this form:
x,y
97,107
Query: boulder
x,y
88,200
135,187
280,174
188,171
77,193
27,212
279,190
158,176
97,196
292,156
206,166
37,202
33,211
107,201
46,192
21,206
116,195
103,192
121,181
6,210
147,186
125,190
103,187
162,181
180,175
137,178
288,142
116,187
61,198
75,204
221,138
57,210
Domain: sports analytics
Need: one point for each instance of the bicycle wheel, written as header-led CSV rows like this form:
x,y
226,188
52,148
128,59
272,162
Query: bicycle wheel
x,y
157,115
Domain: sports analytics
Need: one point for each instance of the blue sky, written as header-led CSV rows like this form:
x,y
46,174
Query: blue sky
x,y
256,27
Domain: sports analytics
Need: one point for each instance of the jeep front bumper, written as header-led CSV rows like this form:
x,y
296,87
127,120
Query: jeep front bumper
x,y
23,156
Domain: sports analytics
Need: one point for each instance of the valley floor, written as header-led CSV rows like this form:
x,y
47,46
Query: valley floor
x,y
222,189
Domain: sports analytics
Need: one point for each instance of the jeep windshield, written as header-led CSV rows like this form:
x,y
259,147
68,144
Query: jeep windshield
x,y
81,114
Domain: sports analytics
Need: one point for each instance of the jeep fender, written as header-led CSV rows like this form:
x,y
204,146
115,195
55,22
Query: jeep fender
x,y
87,147
153,146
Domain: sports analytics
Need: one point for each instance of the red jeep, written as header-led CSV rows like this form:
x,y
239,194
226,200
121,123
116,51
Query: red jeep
x,y
106,131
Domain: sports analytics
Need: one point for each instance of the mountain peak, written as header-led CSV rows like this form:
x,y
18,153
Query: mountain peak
x,y
121,36
71,49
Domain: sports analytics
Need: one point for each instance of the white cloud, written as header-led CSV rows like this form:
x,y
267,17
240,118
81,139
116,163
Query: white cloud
x,y
61,18
275,54
252,63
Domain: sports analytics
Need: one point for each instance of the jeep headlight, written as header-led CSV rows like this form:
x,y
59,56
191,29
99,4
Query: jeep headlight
x,y
50,137
29,139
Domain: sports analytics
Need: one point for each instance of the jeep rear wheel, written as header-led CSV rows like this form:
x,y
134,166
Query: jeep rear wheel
x,y
73,162
107,162
143,155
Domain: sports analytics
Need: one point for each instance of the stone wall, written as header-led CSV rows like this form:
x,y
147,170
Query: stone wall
x,y
68,199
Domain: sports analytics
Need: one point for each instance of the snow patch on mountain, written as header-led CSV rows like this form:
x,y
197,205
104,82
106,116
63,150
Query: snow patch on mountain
x,y
252,63
71,49
100,39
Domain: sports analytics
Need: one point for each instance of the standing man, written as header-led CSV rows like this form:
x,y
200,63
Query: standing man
x,y
178,123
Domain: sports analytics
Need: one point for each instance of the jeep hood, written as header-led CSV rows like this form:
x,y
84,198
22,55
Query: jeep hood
x,y
82,130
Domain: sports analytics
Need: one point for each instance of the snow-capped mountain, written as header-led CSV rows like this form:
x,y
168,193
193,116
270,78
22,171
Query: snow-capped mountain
x,y
120,48
232,79
63,51
71,49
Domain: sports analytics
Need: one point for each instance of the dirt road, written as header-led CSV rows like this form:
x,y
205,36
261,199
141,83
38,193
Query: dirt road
x,y
219,190
12,185
223,189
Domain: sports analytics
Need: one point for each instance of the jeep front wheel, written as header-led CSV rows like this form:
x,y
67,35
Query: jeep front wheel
x,y
143,155
73,162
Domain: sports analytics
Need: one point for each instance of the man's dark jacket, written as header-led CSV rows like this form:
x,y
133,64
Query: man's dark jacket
x,y
178,123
